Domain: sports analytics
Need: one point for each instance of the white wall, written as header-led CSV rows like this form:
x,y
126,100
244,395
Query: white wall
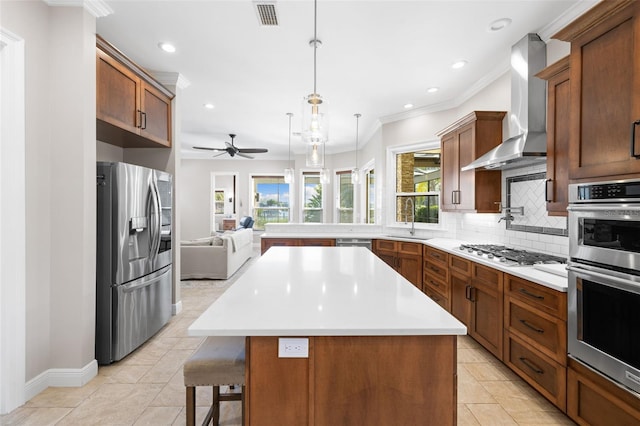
x,y
60,183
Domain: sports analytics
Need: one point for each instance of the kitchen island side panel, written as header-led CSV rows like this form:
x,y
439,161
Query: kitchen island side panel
x,y
372,380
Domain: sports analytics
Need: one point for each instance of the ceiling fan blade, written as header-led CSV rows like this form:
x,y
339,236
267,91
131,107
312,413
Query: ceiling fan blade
x,y
243,155
209,149
253,150
219,154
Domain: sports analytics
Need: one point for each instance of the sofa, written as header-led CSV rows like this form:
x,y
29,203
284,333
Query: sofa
x,y
216,257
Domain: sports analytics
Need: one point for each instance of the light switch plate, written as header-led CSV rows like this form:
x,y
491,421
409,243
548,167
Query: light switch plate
x,y
293,347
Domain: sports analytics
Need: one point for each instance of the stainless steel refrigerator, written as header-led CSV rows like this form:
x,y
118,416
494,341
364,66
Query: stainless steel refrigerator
x,y
133,267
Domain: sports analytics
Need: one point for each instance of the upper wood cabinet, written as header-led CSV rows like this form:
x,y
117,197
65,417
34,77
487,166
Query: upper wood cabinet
x,y
605,82
461,143
558,126
132,109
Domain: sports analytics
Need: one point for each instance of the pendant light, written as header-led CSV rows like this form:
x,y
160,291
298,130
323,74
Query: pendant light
x,y
314,113
325,176
289,172
355,173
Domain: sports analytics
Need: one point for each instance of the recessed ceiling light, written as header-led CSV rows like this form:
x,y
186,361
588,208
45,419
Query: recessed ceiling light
x,y
408,106
458,64
432,89
499,24
167,47
209,106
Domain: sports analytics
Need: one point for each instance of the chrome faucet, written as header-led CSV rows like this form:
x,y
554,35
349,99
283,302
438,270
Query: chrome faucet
x,y
508,217
413,215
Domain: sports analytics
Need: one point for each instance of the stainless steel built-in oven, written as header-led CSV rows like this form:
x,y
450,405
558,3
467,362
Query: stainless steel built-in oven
x,y
604,278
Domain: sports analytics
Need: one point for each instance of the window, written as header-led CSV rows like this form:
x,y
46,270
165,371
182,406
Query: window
x,y
370,196
312,204
418,186
270,200
344,197
218,203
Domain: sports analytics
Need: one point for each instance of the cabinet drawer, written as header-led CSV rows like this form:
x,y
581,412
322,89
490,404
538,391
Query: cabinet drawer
x,y
489,276
548,300
437,297
544,374
410,248
436,284
543,331
436,256
436,270
386,245
459,264
326,242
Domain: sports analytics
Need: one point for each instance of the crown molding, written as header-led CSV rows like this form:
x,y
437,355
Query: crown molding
x,y
566,18
171,79
97,8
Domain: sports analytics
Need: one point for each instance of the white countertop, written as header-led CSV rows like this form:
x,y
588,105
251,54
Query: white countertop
x,y
323,291
553,281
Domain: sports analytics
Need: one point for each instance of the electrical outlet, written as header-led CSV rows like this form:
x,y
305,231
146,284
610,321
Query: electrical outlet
x,y
293,347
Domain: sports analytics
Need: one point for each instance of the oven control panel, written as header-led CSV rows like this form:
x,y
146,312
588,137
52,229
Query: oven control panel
x,y
618,191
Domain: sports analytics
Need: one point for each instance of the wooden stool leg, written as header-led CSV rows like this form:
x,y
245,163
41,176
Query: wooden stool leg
x,y
242,416
216,406
191,405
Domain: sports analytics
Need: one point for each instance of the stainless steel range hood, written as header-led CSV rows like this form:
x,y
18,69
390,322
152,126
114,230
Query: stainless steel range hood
x,y
527,142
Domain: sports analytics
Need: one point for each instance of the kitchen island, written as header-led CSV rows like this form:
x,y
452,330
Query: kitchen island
x,y
374,349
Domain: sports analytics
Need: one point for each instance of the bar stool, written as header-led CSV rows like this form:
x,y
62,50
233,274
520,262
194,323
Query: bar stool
x,y
218,361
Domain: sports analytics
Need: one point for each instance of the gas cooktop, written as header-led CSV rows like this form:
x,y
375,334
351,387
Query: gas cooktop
x,y
510,256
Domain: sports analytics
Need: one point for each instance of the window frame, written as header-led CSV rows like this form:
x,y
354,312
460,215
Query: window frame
x,y
252,190
302,209
393,195
338,195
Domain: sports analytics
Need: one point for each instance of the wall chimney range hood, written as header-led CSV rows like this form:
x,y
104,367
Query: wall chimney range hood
x,y
527,142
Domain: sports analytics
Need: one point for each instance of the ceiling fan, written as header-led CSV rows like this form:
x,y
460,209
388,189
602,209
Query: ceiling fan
x,y
233,150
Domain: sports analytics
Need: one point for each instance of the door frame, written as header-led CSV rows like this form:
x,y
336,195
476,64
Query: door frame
x,y
12,223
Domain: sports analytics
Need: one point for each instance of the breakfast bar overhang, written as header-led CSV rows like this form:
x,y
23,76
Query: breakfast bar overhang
x,y
380,352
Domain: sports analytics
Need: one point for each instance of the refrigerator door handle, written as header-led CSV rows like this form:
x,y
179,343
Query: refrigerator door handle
x,y
141,283
155,220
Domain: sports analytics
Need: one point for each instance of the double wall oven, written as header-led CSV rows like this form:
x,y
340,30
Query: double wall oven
x,y
604,278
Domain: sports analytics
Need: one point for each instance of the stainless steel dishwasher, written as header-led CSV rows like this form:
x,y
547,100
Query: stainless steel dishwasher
x,y
354,242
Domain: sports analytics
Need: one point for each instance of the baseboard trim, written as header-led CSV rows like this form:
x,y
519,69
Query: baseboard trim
x,y
61,377
176,308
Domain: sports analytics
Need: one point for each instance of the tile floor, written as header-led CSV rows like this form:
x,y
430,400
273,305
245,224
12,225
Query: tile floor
x,y
146,388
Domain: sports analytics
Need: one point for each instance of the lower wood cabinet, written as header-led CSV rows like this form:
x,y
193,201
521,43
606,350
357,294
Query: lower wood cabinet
x,y
592,399
266,243
404,257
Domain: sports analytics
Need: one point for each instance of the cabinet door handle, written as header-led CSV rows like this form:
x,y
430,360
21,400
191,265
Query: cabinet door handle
x,y
144,120
528,293
434,283
533,327
548,189
531,365
138,119
467,292
472,293
633,138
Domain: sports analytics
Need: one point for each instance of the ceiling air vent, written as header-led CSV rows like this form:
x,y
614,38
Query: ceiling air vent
x,y
267,13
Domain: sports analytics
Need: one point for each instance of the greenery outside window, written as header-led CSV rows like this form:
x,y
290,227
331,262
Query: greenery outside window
x,y
270,200
418,180
345,197
370,195
312,205
218,203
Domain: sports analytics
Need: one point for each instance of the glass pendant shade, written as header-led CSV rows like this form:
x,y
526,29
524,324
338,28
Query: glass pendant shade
x,y
355,176
315,155
314,120
289,175
325,176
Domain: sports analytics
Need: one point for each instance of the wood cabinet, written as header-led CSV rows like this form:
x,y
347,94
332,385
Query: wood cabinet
x,y
435,281
592,399
535,336
266,243
228,224
605,82
132,109
404,257
461,143
558,126
477,301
